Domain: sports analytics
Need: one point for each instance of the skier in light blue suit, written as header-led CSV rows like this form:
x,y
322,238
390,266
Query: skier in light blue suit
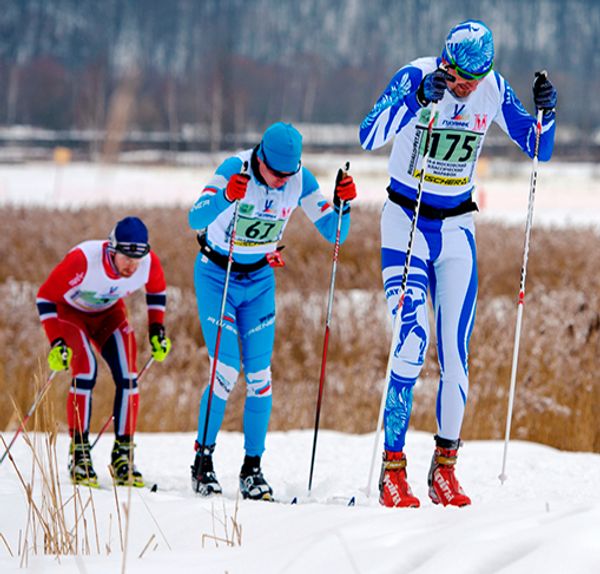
x,y
470,97
274,185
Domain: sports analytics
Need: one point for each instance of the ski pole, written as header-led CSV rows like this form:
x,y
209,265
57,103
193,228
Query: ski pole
x,y
111,418
397,318
30,412
213,370
521,301
336,250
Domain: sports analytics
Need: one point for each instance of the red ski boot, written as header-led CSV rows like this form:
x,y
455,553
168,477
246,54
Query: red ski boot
x,y
394,491
444,487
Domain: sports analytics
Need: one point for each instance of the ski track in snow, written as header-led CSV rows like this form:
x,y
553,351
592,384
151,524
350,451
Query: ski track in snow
x,y
545,518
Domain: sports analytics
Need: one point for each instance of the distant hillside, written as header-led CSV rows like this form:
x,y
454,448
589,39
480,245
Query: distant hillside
x,y
236,65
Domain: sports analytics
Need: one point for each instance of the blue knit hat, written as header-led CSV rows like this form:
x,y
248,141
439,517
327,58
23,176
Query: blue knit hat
x,y
281,148
470,48
130,237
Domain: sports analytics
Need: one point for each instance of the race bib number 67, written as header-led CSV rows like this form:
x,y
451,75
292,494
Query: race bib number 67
x,y
251,231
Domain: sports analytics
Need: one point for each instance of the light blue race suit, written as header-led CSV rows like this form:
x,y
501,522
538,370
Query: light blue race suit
x,y
250,306
443,255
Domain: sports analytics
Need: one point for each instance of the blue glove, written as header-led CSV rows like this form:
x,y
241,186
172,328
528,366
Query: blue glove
x,y
544,93
433,87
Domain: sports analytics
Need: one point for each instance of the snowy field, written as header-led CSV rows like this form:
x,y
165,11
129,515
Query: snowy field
x,y
544,519
567,194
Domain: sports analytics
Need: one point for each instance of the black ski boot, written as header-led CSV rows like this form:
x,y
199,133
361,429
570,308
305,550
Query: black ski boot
x,y
204,479
121,461
80,462
252,482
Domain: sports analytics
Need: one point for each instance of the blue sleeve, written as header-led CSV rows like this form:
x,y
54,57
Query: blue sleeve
x,y
322,213
212,200
520,125
393,110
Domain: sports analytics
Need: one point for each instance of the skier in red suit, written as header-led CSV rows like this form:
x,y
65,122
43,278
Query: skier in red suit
x,y
81,304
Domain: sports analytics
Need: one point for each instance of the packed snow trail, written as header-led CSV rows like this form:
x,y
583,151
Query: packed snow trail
x,y
543,519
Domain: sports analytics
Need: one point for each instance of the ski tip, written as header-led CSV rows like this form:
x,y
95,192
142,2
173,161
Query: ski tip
x,y
352,501
154,488
294,500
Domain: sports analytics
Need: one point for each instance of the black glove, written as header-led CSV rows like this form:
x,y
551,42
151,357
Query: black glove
x,y
433,87
157,329
544,93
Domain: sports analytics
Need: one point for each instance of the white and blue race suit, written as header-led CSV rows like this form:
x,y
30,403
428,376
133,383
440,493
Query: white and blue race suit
x,y
444,254
249,317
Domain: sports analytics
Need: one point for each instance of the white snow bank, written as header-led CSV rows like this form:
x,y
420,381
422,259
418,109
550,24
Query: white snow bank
x,y
545,518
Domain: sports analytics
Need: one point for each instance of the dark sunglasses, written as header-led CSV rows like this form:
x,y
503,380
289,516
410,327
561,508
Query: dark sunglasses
x,y
275,172
133,250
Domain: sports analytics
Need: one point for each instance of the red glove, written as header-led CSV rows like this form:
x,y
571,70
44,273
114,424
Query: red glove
x,y
237,186
345,190
275,259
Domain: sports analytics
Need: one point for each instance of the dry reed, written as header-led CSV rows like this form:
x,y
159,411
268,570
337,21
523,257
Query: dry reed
x,y
55,525
557,392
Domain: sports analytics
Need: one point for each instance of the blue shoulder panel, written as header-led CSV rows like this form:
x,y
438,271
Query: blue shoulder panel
x,y
375,129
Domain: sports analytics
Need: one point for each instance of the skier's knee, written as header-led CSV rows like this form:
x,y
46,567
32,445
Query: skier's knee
x,y
258,383
83,384
225,379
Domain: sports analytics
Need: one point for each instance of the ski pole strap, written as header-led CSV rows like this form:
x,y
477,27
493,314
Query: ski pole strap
x,y
221,260
427,210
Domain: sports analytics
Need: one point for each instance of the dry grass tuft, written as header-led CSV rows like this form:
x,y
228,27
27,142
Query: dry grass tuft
x,y
557,390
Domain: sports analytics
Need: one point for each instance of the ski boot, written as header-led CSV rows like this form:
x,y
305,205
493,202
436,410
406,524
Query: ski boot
x,y
121,461
252,482
80,462
394,490
444,487
204,479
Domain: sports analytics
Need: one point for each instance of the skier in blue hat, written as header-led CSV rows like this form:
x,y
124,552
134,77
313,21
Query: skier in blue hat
x,y
271,188
470,95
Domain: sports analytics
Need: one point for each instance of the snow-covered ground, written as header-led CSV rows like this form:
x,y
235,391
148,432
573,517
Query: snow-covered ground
x,y
567,194
544,519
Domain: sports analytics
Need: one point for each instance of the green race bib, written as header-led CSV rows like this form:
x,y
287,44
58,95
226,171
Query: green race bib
x,y
251,231
452,146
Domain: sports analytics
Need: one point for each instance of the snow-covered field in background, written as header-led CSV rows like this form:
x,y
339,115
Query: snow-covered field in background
x,y
544,519
567,194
